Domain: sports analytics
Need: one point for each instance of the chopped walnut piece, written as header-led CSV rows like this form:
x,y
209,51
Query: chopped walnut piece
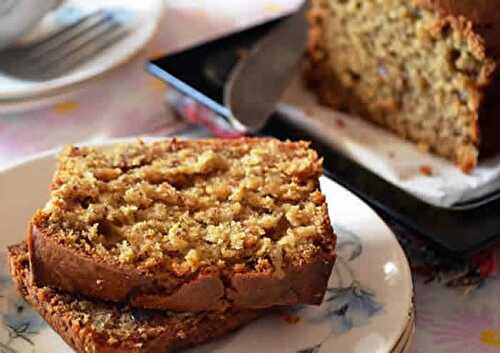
x,y
425,170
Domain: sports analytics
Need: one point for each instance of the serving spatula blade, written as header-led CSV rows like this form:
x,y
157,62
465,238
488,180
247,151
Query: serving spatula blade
x,y
257,82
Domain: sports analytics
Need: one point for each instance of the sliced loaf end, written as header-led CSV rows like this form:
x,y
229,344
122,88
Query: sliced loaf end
x,y
417,71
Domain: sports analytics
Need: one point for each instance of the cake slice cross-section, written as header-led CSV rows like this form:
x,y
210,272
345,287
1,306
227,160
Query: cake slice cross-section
x,y
186,225
428,70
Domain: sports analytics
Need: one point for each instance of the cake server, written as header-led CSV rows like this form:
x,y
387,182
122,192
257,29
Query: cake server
x,y
257,82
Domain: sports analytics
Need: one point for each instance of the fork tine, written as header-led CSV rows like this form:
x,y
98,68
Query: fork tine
x,y
65,31
65,49
65,36
87,51
98,41
84,39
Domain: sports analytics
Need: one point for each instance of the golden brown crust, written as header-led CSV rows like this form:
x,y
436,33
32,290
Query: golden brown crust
x,y
483,14
477,24
60,267
212,285
94,327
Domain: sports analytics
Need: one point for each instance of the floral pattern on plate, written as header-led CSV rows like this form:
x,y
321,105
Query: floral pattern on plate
x,y
349,304
18,321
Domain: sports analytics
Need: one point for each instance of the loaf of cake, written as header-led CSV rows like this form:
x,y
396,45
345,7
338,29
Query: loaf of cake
x,y
186,225
426,69
97,327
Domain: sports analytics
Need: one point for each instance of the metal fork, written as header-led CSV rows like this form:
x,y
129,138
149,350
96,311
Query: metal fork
x,y
63,50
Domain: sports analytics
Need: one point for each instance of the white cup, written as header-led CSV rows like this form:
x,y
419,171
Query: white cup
x,y
18,17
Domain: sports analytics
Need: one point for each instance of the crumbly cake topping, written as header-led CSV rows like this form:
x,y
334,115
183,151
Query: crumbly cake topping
x,y
180,205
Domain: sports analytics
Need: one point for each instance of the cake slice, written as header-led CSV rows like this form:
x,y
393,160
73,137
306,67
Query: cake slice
x,y
97,327
426,69
187,225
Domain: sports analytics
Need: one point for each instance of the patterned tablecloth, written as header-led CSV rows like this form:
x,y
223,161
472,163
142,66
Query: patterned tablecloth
x,y
458,302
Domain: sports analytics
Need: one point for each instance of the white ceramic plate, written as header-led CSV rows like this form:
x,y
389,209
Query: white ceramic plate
x,y
366,310
405,345
142,18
